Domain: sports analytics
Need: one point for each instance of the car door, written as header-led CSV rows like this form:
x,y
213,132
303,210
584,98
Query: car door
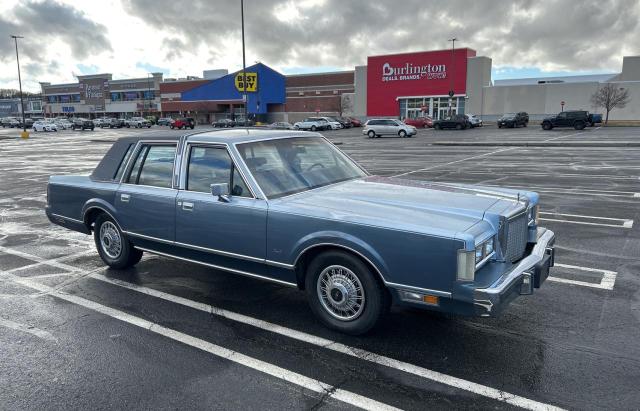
x,y
145,201
561,119
229,232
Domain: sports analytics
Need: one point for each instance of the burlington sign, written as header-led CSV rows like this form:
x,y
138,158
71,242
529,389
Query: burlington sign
x,y
409,71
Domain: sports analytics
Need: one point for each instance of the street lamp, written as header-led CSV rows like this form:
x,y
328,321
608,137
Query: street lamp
x,y
244,68
24,133
451,92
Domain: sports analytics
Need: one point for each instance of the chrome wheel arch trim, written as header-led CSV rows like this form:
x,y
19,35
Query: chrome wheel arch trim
x,y
92,207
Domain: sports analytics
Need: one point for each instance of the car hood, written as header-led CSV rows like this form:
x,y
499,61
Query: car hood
x,y
423,207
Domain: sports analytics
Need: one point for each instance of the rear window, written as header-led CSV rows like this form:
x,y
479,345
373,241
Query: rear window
x,y
154,166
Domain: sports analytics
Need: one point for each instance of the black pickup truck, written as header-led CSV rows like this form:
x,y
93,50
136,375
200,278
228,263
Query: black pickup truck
x,y
577,119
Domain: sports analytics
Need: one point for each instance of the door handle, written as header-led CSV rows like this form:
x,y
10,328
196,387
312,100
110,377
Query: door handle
x,y
187,206
125,198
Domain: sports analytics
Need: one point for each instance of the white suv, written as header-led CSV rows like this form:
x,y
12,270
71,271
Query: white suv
x,y
335,125
313,124
383,126
138,122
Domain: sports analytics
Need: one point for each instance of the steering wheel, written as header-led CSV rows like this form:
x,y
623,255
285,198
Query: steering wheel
x,y
314,165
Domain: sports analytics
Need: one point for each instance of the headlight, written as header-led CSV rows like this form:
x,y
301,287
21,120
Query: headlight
x,y
483,250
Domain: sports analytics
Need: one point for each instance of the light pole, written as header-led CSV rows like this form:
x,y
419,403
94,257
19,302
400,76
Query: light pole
x,y
451,92
148,94
24,133
244,68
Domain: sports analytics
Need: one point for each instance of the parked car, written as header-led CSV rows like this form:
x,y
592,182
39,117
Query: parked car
x,y
27,121
346,123
281,125
242,122
116,123
183,123
45,126
164,121
224,123
97,122
312,123
105,122
355,122
10,122
79,123
388,127
137,122
63,124
512,120
419,122
594,119
577,119
354,243
474,121
333,123
457,121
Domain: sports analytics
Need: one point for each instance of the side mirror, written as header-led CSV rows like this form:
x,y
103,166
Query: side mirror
x,y
221,191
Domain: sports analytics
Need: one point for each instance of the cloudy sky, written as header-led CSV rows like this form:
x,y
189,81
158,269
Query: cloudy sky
x,y
130,38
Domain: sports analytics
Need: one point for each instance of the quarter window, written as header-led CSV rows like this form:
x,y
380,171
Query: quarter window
x,y
212,165
154,166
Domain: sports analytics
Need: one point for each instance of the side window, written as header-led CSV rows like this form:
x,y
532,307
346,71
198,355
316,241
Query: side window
x,y
212,165
562,115
123,163
374,123
154,166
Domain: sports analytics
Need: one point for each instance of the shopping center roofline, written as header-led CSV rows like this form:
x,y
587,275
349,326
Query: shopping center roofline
x,y
416,52
320,73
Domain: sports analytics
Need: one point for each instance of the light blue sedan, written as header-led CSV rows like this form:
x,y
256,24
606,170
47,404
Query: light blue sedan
x,y
291,208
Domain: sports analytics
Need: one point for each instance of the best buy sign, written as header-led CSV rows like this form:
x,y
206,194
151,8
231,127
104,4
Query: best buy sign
x,y
251,83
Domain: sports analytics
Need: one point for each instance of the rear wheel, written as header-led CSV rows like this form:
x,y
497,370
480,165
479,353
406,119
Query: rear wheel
x,y
313,128
344,293
438,127
579,125
114,248
458,126
371,134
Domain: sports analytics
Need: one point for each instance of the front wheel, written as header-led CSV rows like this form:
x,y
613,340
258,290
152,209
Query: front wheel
x,y
313,128
458,126
344,293
114,248
402,133
438,127
371,134
546,126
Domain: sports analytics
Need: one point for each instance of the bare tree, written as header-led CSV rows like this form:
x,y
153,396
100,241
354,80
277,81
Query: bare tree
x,y
610,97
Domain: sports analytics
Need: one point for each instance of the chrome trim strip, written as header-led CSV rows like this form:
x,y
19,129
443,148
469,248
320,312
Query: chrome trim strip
x,y
418,289
218,267
211,250
485,260
66,218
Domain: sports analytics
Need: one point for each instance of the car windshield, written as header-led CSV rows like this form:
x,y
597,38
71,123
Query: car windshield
x,y
291,165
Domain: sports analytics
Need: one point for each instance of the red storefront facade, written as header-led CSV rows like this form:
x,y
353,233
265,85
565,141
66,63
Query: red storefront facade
x,y
414,84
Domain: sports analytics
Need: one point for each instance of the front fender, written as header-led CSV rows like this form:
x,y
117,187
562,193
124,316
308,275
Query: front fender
x,y
340,240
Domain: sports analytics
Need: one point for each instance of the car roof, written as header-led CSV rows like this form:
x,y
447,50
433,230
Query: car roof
x,y
227,136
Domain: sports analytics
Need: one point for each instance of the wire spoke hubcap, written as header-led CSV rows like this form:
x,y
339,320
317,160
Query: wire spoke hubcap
x,y
110,240
341,293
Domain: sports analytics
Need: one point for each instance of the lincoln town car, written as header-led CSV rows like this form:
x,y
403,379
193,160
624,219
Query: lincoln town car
x,y
291,208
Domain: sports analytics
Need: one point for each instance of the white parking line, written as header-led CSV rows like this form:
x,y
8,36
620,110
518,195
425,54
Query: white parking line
x,y
338,347
485,155
28,329
234,356
607,282
624,222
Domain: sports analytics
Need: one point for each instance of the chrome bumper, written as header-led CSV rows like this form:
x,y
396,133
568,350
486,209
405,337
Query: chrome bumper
x,y
530,272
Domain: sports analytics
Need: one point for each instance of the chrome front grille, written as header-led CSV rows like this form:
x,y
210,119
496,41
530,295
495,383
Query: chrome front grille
x,y
516,233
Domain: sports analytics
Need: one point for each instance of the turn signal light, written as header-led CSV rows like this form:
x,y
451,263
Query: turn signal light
x,y
430,299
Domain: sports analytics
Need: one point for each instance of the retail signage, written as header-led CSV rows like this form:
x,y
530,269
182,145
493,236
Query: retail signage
x,y
391,78
251,82
409,71
68,109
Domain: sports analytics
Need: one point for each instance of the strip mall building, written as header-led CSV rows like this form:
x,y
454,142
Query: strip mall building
x,y
397,86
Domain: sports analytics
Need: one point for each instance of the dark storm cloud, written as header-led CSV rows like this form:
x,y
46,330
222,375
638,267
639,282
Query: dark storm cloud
x,y
585,35
42,23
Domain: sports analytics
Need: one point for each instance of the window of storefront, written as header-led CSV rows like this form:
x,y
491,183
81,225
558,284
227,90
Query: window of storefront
x,y
52,99
116,96
435,107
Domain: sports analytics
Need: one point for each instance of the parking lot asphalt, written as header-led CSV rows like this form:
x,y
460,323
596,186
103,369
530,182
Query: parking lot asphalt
x,y
169,334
